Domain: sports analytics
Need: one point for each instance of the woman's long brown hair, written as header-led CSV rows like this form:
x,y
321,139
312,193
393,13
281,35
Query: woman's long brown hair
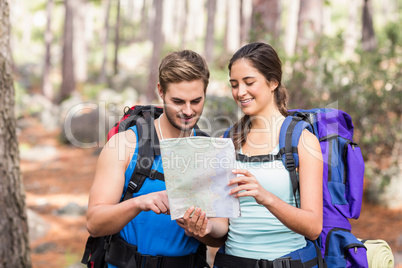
x,y
265,59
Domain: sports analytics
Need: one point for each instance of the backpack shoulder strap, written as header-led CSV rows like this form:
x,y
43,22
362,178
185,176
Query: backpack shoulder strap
x,y
289,136
146,155
199,132
227,132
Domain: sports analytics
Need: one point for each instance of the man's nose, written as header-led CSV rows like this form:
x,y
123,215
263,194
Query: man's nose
x,y
187,110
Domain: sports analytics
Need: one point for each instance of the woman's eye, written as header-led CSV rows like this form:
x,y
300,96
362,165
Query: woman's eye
x,y
234,86
249,84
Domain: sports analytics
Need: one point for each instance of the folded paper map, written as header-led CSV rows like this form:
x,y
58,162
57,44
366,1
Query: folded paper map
x,y
197,171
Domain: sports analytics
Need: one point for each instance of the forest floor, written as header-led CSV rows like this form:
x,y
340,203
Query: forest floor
x,y
65,176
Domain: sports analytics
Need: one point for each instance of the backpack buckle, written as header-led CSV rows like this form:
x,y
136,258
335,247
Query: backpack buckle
x,y
153,174
263,263
282,263
132,186
108,241
152,261
290,162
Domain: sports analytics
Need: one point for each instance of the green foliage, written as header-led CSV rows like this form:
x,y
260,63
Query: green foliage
x,y
71,259
368,88
91,91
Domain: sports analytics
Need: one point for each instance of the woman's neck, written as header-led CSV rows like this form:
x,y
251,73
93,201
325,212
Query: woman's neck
x,y
269,119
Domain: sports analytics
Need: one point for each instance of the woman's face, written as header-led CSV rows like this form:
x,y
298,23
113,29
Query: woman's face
x,y
251,91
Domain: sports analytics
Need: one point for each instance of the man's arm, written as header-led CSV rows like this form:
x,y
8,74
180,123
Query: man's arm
x,y
105,215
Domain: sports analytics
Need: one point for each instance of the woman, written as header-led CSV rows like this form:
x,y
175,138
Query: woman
x,y
271,225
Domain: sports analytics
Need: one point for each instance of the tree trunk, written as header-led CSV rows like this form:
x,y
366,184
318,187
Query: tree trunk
x,y
14,245
196,23
369,41
246,12
232,35
156,52
266,19
144,20
68,74
351,31
309,26
80,40
178,14
209,37
117,40
105,39
171,11
291,28
47,89
183,27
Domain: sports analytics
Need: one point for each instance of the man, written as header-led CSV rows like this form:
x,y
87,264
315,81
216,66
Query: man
x,y
142,221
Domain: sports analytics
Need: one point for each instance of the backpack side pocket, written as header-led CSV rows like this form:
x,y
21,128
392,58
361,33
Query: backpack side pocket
x,y
343,249
353,178
345,168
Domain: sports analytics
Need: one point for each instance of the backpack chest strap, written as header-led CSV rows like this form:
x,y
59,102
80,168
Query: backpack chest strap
x,y
258,158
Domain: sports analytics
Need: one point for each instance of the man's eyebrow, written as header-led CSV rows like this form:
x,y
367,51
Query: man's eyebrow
x,y
174,98
178,99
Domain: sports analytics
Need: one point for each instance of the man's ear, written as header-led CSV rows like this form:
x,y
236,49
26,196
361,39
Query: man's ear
x,y
160,92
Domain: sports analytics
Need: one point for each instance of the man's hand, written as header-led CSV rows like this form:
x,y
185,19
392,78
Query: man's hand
x,y
195,225
157,202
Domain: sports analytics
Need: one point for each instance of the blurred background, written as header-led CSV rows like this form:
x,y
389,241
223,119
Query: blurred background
x,y
77,63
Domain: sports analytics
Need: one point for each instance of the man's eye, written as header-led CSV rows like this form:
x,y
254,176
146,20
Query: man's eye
x,y
196,101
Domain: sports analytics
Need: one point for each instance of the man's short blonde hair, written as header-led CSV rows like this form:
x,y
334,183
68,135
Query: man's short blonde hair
x,y
185,65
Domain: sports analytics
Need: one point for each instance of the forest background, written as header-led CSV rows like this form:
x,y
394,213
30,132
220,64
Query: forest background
x,y
77,63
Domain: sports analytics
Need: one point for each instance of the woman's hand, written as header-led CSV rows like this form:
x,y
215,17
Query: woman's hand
x,y
196,224
248,185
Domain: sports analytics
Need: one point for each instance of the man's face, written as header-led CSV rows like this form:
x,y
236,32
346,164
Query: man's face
x,y
183,103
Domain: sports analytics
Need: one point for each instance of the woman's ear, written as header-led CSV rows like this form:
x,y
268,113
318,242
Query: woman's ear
x,y
273,84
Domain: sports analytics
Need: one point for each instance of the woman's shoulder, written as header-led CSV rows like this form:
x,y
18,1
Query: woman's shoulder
x,y
309,143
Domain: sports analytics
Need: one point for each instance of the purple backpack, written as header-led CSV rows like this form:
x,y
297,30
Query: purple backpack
x,y
342,179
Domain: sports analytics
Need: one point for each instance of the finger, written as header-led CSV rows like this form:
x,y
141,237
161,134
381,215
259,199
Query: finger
x,y
245,172
251,185
162,207
204,226
188,213
196,215
251,193
200,221
155,208
164,198
180,223
238,180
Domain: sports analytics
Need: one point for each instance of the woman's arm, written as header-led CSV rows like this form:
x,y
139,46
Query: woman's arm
x,y
105,215
306,220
